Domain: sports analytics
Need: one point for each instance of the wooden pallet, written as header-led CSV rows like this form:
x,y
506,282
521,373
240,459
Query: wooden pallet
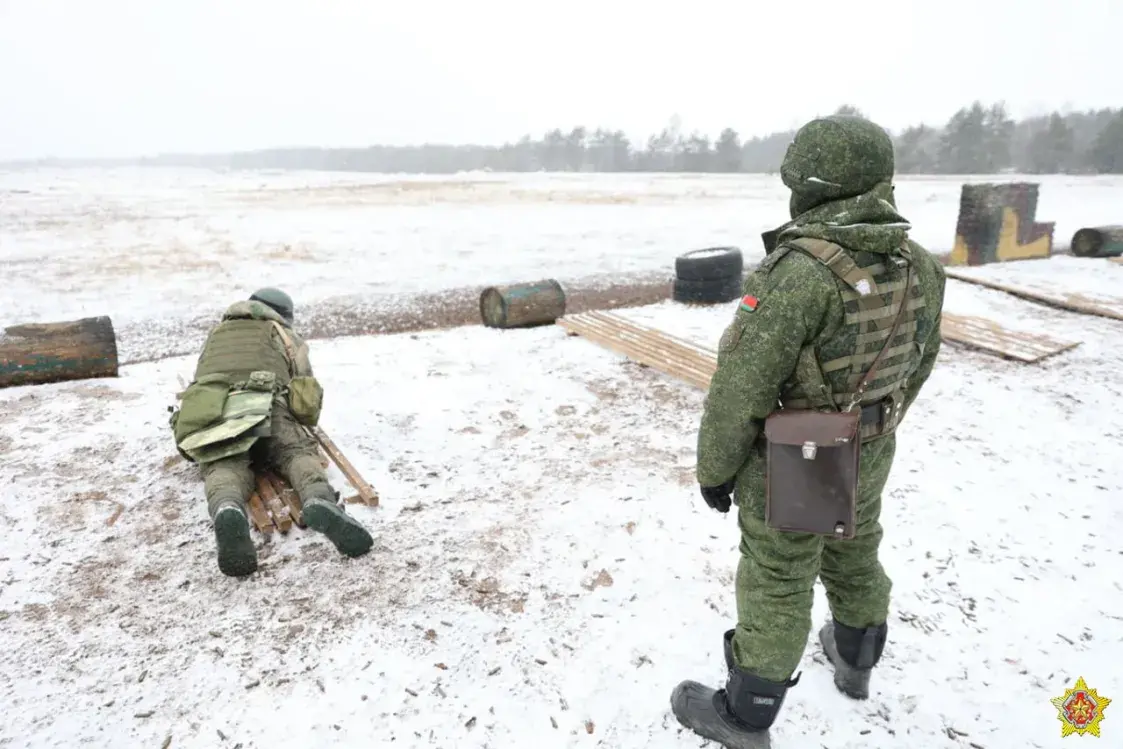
x,y
987,335
276,506
677,357
695,364
1085,305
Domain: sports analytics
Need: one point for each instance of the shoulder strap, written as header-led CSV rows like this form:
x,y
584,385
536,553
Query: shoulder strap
x,y
868,377
287,340
838,261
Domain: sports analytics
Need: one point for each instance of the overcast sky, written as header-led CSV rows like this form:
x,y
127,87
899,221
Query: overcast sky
x,y
122,78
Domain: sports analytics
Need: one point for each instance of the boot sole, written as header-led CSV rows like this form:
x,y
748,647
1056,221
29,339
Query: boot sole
x,y
846,679
348,536
693,705
236,554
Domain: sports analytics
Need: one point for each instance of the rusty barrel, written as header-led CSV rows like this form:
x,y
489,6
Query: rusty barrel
x,y
522,305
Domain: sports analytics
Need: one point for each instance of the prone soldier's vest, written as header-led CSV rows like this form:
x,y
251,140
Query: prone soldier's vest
x,y
871,296
239,346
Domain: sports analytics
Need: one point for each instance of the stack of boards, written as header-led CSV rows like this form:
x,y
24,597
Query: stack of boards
x,y
695,364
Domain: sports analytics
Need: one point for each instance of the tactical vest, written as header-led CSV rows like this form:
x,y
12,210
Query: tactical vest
x,y
240,346
871,296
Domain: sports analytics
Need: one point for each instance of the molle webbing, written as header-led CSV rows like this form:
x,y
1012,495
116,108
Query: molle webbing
x,y
240,346
871,296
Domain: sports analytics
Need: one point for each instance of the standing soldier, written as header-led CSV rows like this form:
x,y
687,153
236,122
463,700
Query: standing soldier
x,y
254,390
837,332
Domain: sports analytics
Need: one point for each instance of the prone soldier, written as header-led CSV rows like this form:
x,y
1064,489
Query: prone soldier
x,y
251,397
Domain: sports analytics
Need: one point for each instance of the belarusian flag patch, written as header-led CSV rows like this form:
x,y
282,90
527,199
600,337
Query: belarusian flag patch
x,y
749,303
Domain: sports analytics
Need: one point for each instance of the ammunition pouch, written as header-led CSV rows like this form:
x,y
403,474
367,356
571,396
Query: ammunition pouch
x,y
306,399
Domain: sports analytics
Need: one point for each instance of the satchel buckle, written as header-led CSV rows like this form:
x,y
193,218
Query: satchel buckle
x,y
809,450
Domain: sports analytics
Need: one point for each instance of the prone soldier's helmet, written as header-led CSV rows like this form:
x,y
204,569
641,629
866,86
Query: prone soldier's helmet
x,y
275,299
836,157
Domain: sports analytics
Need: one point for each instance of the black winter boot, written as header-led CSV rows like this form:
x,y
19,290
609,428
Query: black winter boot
x,y
737,717
237,556
853,653
327,517
728,642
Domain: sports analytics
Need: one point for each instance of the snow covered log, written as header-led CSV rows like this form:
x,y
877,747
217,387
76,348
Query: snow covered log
x,y
522,305
40,353
1098,241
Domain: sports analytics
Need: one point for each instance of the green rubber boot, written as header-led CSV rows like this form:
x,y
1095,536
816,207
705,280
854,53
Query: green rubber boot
x,y
348,535
237,556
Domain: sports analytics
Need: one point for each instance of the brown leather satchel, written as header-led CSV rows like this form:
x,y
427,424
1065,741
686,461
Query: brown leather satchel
x,y
813,460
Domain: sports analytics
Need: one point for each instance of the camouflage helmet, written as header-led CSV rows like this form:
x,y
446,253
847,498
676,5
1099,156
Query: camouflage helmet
x,y
279,301
835,157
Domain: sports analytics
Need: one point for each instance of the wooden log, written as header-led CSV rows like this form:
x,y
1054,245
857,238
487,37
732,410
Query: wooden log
x,y
522,305
365,490
1098,241
40,353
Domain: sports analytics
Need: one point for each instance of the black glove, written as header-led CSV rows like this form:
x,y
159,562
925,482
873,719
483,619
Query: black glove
x,y
719,497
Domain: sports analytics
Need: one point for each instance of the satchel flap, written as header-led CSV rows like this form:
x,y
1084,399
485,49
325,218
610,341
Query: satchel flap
x,y
822,428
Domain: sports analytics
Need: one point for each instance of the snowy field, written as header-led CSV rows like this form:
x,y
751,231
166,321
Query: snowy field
x,y
544,571
152,245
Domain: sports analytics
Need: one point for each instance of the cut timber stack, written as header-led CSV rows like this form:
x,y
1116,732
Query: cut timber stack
x,y
695,364
40,353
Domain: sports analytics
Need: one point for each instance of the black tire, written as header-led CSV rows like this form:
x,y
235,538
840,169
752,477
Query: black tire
x,y
717,291
710,264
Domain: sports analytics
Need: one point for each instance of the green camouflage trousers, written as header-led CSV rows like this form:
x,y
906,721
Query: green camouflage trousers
x,y
777,571
290,450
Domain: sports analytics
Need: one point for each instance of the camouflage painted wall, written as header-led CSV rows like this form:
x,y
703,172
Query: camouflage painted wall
x,y
996,223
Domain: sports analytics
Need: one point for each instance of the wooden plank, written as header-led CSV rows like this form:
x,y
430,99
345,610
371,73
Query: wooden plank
x,y
289,498
987,335
273,503
366,492
1111,308
260,516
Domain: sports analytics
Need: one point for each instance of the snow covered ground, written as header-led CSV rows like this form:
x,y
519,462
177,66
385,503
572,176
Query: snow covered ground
x,y
544,571
152,244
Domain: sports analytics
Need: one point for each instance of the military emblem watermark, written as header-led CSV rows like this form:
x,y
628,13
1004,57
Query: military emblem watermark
x,y
1080,709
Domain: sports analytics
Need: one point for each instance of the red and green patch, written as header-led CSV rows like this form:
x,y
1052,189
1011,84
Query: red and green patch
x,y
749,303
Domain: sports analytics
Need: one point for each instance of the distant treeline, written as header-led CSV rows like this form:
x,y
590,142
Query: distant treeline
x,y
978,139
